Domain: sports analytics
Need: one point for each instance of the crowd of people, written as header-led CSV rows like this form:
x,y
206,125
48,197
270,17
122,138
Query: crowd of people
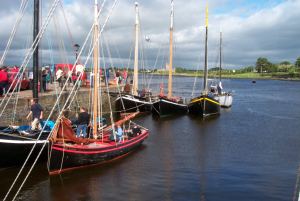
x,y
77,75
59,74
8,79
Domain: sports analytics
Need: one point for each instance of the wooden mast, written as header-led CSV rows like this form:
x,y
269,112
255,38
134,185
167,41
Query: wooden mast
x,y
35,60
220,75
136,52
205,59
171,52
96,71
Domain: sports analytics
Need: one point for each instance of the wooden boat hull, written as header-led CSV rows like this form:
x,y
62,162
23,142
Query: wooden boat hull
x,y
15,149
66,158
132,104
204,106
165,107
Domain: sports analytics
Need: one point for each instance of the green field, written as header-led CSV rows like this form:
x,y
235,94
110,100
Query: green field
x,y
248,75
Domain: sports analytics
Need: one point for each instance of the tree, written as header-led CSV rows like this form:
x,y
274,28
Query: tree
x,y
247,69
214,69
180,70
297,63
262,64
286,63
272,68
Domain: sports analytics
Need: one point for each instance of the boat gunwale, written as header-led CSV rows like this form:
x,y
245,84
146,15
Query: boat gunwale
x,y
96,150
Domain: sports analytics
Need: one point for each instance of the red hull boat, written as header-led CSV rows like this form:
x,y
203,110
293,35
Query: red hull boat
x,y
69,153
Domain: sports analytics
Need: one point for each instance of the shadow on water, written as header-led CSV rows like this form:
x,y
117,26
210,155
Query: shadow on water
x,y
88,179
39,175
73,185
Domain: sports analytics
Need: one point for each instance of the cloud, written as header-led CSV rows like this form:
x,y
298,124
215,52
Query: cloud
x,y
250,30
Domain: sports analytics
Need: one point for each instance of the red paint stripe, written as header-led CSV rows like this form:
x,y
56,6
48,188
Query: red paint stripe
x,y
102,151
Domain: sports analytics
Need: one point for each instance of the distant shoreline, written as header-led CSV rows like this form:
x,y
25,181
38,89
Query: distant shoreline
x,y
235,76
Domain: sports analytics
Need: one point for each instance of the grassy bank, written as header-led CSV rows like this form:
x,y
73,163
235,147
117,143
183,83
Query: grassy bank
x,y
248,75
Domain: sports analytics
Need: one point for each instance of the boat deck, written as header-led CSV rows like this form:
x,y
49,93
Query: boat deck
x,y
99,143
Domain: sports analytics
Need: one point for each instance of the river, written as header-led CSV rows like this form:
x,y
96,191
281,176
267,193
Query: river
x,y
251,152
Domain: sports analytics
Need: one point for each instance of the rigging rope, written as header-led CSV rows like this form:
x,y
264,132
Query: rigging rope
x,y
52,62
112,66
107,88
163,65
195,79
21,13
67,24
29,55
113,6
155,63
144,77
16,104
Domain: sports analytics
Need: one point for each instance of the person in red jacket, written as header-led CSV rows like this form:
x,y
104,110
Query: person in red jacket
x,y
3,80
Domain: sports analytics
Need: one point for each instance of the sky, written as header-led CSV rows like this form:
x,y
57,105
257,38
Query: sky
x,y
250,28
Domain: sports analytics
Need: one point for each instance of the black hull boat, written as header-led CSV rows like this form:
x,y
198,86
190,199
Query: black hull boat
x,y
130,103
15,148
17,142
204,106
74,153
165,107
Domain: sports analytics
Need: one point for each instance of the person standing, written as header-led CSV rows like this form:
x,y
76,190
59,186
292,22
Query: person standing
x,y
36,111
82,122
124,75
74,78
69,77
107,75
3,80
118,77
220,88
44,79
48,76
59,76
119,133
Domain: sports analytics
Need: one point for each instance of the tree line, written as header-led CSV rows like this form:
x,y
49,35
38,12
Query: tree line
x,y
264,65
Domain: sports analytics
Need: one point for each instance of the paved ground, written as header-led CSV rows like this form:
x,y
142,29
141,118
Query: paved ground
x,y
53,89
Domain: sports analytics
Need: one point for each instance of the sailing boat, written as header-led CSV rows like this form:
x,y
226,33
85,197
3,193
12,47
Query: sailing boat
x,y
15,141
69,152
169,105
225,98
134,102
206,104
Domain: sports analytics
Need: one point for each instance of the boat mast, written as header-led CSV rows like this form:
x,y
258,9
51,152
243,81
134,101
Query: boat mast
x,y
171,51
136,52
35,60
96,71
205,59
220,75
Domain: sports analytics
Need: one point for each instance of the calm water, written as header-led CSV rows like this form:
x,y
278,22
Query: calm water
x,y
250,152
